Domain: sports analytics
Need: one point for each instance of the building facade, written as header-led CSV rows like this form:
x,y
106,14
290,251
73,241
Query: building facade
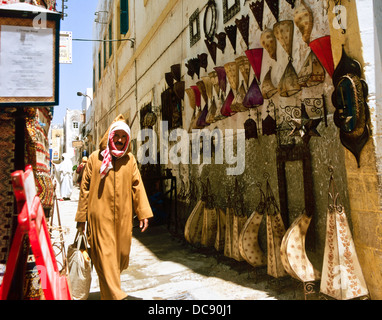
x,y
267,76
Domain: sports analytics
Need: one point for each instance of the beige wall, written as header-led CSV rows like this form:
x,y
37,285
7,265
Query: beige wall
x,y
135,77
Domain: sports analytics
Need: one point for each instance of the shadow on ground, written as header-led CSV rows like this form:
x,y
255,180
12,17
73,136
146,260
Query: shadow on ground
x,y
208,262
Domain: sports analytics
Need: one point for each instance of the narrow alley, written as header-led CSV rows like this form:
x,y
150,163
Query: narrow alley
x,y
163,267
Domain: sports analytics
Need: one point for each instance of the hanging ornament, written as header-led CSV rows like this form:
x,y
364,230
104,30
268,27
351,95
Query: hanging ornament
x,y
268,42
305,127
350,100
342,276
210,10
232,73
267,88
303,18
169,79
231,32
283,32
249,237
312,72
191,97
288,85
237,104
244,67
179,89
291,2
222,78
175,71
250,128
253,98
221,41
275,234
214,81
243,26
201,122
203,58
257,9
226,108
193,66
269,124
274,7
293,253
322,48
202,90
198,101
255,57
211,47
211,112
208,86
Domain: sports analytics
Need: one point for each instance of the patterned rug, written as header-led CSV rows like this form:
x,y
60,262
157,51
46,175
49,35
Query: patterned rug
x,y
7,152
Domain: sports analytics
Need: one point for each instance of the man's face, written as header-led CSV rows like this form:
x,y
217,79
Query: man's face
x,y
120,139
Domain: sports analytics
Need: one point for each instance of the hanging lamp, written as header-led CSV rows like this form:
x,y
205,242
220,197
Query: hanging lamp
x,y
288,85
254,97
283,32
255,57
191,97
312,72
268,89
322,48
303,18
268,42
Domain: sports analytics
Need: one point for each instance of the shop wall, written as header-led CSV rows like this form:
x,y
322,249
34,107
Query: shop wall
x,y
163,41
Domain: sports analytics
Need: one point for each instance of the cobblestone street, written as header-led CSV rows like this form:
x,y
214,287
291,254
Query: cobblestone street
x,y
163,267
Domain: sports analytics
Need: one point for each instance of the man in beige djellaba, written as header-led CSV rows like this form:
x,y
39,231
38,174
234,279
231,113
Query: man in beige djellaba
x,y
111,185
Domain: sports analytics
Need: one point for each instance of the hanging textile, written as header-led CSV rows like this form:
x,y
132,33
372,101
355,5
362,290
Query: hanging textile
x,y
220,230
194,224
37,153
342,276
231,32
268,42
283,32
235,221
293,254
210,217
288,85
274,7
255,57
267,88
322,48
249,243
257,9
221,41
211,47
303,18
7,158
243,26
275,233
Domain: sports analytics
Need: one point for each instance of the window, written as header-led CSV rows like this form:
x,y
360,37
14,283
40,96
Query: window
x,y
75,125
124,16
110,38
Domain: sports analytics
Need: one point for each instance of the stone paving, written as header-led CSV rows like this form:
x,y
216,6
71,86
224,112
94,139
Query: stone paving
x,y
165,267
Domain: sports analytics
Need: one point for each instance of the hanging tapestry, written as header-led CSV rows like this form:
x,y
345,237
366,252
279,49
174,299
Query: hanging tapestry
x,y
7,154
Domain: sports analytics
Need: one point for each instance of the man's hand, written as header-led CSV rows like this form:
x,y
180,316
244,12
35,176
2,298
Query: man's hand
x,y
143,224
81,226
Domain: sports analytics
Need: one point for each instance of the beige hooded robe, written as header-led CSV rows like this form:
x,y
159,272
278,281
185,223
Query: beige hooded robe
x,y
107,205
